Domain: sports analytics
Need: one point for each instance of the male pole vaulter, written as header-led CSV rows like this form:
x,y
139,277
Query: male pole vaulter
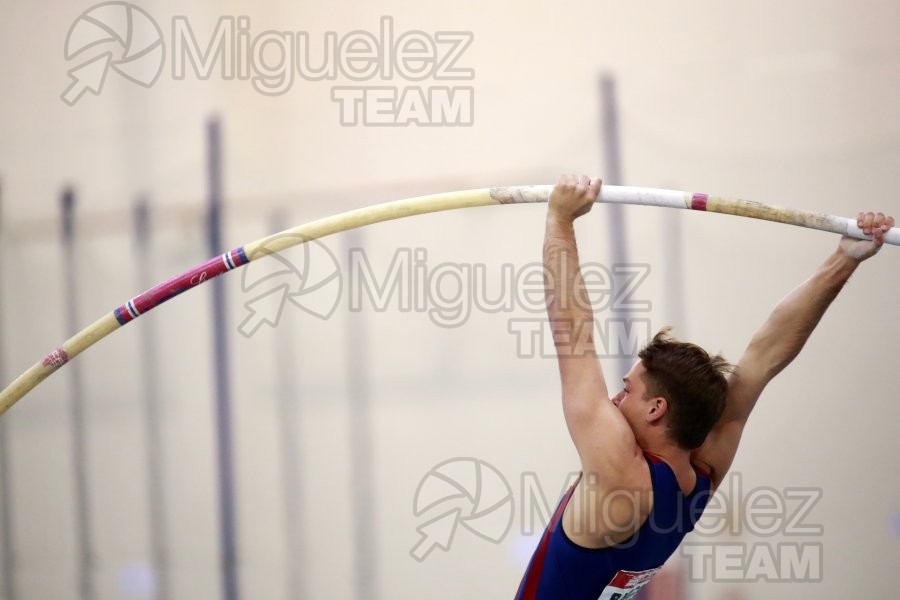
x,y
652,454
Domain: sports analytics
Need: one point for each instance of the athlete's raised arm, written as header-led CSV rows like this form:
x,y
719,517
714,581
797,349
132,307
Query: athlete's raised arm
x,y
604,441
781,338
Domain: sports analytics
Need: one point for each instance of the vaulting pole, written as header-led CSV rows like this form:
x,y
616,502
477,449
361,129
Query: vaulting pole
x,y
396,210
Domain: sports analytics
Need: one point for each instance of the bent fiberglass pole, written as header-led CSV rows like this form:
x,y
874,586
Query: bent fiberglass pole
x,y
387,211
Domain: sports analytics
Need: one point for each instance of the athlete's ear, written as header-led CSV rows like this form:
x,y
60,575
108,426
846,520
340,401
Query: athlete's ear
x,y
658,406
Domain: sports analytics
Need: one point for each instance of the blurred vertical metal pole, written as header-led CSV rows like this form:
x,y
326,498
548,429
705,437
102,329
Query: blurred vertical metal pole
x,y
361,452
292,489
221,372
674,277
612,175
151,399
83,521
7,539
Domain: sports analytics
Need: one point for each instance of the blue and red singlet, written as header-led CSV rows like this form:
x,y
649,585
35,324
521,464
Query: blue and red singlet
x,y
563,570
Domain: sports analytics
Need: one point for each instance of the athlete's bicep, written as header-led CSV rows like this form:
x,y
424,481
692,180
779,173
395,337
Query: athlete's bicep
x,y
605,442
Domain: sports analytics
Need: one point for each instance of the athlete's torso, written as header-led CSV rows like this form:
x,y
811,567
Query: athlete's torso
x,y
560,569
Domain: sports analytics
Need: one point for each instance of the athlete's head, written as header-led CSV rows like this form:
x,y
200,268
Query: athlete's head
x,y
676,387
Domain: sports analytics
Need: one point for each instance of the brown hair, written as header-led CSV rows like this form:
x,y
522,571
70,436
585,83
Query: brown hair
x,y
692,382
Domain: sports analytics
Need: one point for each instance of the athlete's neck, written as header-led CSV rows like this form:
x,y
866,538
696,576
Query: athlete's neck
x,y
674,456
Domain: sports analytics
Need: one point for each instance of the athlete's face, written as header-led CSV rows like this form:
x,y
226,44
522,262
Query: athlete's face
x,y
632,399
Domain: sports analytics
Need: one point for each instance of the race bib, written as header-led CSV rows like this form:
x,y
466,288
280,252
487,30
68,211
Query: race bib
x,y
626,584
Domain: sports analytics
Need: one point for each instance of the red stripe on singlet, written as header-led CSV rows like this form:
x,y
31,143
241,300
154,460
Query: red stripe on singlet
x,y
653,458
533,577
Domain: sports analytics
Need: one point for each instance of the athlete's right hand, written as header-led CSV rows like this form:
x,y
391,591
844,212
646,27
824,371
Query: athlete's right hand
x,y
573,196
874,224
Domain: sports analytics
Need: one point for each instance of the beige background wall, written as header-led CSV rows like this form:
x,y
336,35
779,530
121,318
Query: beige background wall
x,y
792,103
